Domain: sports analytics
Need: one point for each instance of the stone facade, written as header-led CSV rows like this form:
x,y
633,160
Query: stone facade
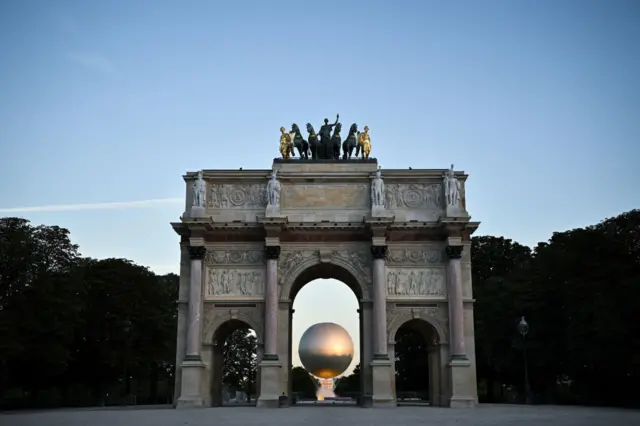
x,y
244,257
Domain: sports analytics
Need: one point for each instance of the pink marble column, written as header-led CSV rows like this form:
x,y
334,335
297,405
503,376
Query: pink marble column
x,y
272,253
380,350
194,318
456,307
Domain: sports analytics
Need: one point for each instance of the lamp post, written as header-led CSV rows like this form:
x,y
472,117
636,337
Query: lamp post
x,y
126,326
523,328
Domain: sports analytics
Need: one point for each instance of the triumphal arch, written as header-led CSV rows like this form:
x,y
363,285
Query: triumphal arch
x,y
400,239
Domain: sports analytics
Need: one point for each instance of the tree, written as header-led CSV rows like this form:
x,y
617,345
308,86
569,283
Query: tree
x,y
126,324
350,384
240,360
39,304
498,286
303,383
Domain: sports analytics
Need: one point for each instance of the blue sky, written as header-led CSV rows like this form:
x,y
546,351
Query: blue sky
x,y
111,102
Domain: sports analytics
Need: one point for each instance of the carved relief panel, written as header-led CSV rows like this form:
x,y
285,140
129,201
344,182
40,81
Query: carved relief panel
x,y
416,282
230,196
416,272
234,274
234,282
428,196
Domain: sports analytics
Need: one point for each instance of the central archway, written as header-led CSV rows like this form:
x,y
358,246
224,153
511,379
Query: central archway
x,y
348,274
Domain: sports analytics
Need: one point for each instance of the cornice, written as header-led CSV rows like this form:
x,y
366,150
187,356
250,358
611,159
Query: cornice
x,y
262,175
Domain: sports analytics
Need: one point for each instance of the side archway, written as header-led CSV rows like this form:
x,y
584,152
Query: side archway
x,y
425,363
226,330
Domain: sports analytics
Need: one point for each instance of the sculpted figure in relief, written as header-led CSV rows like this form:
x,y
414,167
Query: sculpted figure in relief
x,y
428,282
273,190
451,188
199,190
377,190
234,283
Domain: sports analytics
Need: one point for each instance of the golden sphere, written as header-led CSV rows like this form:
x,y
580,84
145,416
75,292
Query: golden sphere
x,y
326,350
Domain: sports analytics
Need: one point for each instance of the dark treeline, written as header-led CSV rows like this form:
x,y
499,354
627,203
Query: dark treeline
x,y
78,331
580,294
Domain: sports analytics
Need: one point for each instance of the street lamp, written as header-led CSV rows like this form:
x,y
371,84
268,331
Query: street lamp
x,y
126,326
523,328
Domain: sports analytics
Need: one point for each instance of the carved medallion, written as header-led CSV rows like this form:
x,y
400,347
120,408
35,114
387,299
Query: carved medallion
x,y
416,282
414,196
229,196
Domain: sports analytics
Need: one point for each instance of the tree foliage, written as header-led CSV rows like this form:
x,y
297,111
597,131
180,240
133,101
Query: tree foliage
x,y
82,328
580,293
303,383
349,385
240,361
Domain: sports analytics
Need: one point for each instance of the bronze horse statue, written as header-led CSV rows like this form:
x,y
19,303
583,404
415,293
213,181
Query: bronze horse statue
x,y
313,141
336,141
350,143
298,141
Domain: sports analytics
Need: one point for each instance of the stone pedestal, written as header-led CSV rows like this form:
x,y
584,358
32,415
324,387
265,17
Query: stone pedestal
x,y
273,211
269,384
382,393
197,212
380,211
190,392
462,384
455,211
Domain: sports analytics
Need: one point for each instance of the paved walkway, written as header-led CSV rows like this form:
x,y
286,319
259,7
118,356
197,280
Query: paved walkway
x,y
484,415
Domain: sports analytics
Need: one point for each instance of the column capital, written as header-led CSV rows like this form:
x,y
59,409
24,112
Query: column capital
x,y
272,252
454,252
379,252
197,252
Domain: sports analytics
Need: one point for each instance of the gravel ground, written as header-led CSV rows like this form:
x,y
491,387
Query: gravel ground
x,y
494,415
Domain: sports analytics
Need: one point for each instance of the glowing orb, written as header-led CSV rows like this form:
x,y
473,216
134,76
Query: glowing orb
x,y
326,350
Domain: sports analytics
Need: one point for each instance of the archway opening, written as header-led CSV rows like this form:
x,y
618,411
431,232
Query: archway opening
x,y
417,355
234,365
325,293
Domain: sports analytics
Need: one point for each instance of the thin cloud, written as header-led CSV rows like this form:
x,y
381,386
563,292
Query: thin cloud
x,y
93,62
92,206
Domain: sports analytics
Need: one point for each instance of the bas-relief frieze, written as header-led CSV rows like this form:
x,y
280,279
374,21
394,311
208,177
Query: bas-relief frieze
x,y
416,282
223,282
232,196
414,257
428,196
234,257
325,196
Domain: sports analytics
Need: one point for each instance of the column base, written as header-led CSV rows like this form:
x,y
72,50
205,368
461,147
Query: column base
x,y
463,386
190,392
382,392
269,384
